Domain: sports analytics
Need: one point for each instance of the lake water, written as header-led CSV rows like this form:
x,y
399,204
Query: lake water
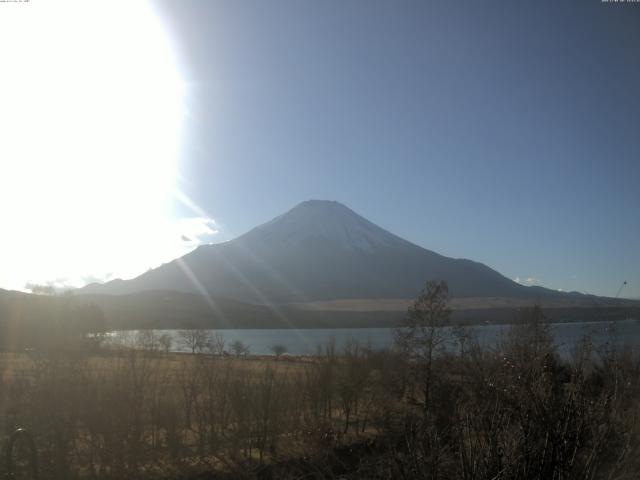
x,y
306,341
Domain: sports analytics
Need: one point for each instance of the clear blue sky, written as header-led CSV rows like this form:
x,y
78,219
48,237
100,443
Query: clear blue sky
x,y
505,132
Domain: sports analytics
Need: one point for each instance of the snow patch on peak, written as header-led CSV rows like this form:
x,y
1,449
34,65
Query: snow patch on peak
x,y
327,221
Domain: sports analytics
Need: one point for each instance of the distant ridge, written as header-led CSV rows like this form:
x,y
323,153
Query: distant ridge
x,y
319,250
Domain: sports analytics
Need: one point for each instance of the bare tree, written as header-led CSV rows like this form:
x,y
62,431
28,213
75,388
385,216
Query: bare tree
x,y
422,335
216,343
147,340
278,349
239,348
194,339
165,341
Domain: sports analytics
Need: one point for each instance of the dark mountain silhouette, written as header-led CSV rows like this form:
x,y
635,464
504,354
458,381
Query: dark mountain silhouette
x,y
319,250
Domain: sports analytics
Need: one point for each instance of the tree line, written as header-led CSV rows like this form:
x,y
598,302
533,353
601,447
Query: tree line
x,y
42,322
421,410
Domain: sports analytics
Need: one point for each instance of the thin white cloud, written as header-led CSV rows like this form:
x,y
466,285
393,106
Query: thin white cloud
x,y
195,228
50,287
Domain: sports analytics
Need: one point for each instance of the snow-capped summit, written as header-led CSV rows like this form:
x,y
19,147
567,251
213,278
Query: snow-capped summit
x,y
323,221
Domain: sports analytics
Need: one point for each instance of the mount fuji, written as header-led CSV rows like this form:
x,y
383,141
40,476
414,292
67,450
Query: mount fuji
x,y
318,251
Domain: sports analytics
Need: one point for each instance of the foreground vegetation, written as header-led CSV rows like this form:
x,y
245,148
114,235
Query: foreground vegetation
x,y
417,412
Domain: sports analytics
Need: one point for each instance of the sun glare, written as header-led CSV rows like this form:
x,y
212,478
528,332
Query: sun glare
x,y
91,106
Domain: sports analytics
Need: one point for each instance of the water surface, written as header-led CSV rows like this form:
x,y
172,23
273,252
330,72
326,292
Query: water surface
x,y
306,341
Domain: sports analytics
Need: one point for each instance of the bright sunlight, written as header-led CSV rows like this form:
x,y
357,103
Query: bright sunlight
x,y
91,107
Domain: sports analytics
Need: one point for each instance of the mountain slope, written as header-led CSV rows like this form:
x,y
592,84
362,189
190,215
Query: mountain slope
x,y
319,250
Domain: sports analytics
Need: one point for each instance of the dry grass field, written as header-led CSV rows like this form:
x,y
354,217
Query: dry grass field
x,y
23,365
461,303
